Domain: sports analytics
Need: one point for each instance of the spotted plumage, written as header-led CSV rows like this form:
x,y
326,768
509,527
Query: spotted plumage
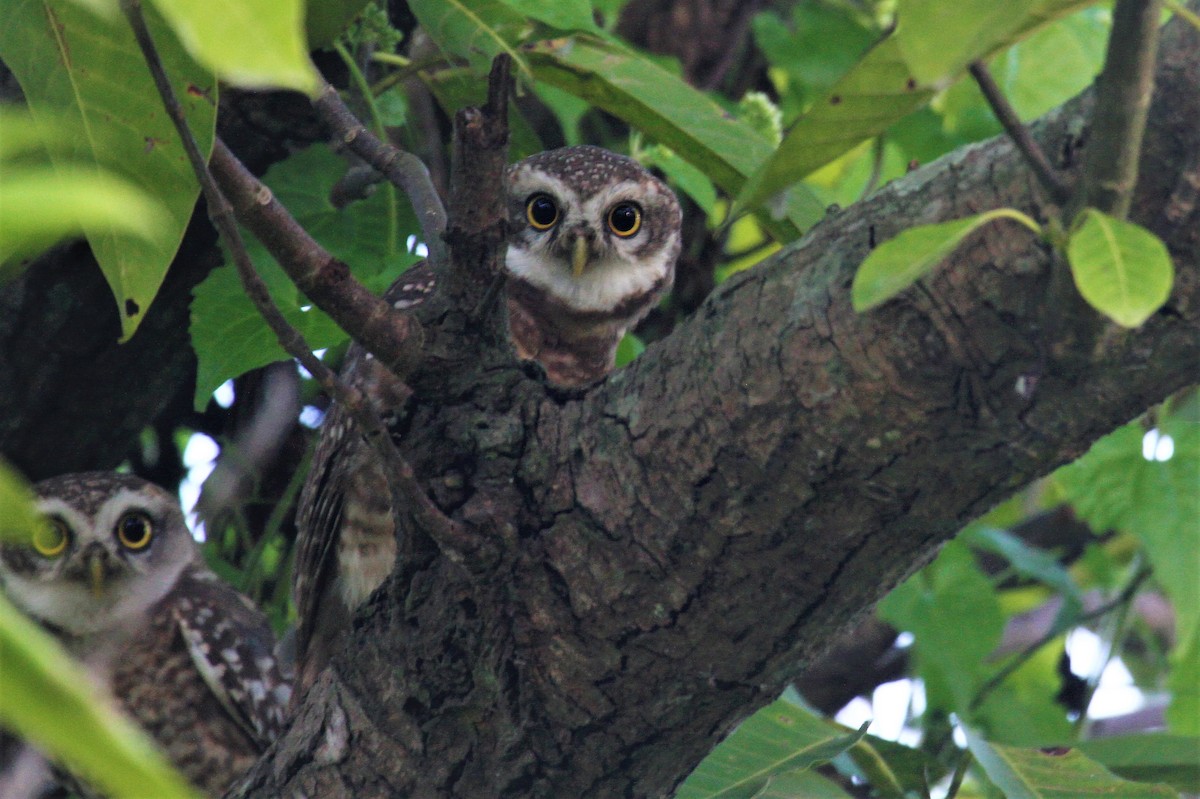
x,y
120,581
593,240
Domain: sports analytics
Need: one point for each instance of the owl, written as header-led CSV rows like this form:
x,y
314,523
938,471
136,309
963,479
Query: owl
x,y
593,240
118,579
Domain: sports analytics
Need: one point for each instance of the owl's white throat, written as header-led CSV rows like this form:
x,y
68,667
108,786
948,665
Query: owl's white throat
x,y
604,284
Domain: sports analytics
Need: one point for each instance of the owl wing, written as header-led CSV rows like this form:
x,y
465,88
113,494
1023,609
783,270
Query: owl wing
x,y
232,647
341,453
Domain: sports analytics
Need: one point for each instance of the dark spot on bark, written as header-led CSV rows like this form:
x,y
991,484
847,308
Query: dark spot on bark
x,y
871,236
131,307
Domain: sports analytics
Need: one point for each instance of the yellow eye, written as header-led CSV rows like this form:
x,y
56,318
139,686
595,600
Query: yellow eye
x,y
625,219
134,530
541,211
50,540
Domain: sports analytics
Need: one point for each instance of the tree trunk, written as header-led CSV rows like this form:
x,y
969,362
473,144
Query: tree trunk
x,y
678,542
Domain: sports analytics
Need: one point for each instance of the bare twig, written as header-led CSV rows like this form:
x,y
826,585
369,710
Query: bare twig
x,y
477,196
402,168
406,493
1124,89
1019,134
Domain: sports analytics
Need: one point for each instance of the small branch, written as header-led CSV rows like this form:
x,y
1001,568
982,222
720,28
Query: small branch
x,y
1019,134
402,168
394,338
406,492
1124,89
477,195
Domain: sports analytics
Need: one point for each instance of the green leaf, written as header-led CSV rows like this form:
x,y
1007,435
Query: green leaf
x,y
72,64
628,85
933,42
1114,486
1150,757
47,698
18,516
249,43
562,15
1054,774
228,334
1034,563
1121,269
477,30
955,618
778,739
801,785
899,262
629,348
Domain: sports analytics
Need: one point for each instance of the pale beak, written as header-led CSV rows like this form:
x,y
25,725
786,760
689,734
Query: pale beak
x,y
96,567
579,256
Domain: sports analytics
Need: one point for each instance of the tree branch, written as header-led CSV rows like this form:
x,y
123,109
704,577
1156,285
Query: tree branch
x,y
685,537
394,338
403,169
1124,91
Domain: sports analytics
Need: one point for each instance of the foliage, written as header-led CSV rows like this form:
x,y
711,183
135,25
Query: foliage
x,y
862,89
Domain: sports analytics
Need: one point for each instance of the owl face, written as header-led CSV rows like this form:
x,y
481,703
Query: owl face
x,y
114,547
591,228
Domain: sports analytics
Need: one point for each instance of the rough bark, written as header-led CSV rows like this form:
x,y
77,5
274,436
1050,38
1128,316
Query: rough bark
x,y
681,540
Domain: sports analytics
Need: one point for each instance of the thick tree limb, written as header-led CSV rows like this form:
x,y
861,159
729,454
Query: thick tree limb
x,y
681,540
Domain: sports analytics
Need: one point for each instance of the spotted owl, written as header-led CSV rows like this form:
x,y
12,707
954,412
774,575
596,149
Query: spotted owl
x,y
593,240
117,577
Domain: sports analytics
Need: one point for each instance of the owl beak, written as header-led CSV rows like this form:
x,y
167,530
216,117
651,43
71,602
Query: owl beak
x,y
579,256
96,572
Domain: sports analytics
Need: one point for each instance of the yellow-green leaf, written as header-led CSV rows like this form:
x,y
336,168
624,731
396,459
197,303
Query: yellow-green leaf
x,y
899,262
1121,269
48,699
251,43
43,205
89,71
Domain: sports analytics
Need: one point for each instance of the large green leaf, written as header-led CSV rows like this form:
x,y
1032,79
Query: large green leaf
x,y
932,44
1054,774
1120,268
779,739
71,63
1114,486
251,43
1150,757
658,102
228,334
900,261
47,698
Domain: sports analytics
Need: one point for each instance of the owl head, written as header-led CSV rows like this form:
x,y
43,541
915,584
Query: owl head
x,y
114,546
591,229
